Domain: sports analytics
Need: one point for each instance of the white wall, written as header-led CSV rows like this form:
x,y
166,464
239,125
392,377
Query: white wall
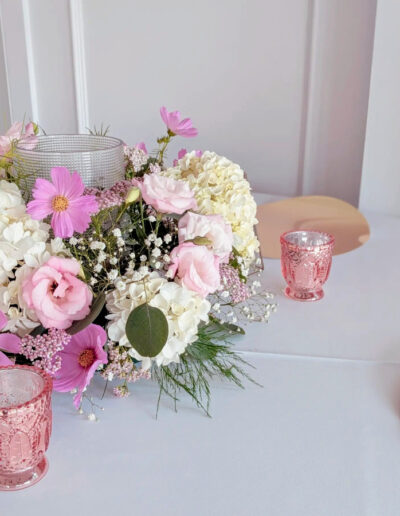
x,y
380,189
280,86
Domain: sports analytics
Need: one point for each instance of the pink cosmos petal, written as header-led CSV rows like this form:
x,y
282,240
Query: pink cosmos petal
x,y
10,343
43,189
62,224
4,361
180,127
39,209
62,179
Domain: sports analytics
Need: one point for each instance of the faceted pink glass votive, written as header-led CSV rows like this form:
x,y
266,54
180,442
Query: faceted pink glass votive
x,y
306,261
25,425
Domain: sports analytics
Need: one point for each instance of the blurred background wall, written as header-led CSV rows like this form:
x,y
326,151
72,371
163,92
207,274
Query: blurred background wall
x,y
280,86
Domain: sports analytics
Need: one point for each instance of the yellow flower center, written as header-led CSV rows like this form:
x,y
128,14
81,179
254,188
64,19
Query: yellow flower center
x,y
60,203
86,358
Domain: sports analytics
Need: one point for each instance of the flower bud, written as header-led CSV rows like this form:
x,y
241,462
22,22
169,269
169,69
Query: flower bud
x,y
201,241
132,195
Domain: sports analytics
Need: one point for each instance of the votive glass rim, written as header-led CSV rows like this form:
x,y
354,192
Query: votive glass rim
x,y
329,243
47,386
117,143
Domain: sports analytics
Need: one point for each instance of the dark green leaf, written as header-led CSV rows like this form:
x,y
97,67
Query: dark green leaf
x,y
95,310
147,330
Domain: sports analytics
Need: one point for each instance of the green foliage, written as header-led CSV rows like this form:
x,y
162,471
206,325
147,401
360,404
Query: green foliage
x,y
95,310
210,356
147,330
101,131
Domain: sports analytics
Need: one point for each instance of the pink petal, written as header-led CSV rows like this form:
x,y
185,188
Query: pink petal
x,y
4,361
39,209
62,224
164,115
43,189
10,343
62,180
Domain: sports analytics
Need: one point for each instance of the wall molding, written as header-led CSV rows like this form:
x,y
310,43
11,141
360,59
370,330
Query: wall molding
x,y
79,64
30,60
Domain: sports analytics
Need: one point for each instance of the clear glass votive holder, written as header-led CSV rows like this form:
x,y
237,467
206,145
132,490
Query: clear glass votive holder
x,y
306,262
25,425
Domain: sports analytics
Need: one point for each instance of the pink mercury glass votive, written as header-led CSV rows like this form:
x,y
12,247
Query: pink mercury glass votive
x,y
25,425
306,261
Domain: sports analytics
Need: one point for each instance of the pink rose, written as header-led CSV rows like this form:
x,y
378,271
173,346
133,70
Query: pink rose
x,y
213,227
167,195
196,267
56,295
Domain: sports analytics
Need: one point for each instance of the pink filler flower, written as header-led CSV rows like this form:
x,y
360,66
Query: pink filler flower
x,y
177,126
79,361
64,200
183,153
196,267
55,293
8,342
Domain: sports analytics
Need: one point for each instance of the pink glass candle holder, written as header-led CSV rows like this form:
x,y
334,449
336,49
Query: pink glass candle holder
x,y
25,425
306,261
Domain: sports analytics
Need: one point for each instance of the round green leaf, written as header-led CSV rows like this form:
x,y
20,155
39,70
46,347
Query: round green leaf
x,y
147,330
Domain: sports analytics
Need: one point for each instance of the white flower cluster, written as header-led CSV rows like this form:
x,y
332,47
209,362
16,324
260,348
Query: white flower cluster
x,y
221,188
183,309
22,247
20,235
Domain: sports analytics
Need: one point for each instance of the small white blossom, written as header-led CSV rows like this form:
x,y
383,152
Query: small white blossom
x,y
156,252
101,256
98,267
158,241
167,238
97,245
143,258
112,275
73,241
152,218
113,260
116,232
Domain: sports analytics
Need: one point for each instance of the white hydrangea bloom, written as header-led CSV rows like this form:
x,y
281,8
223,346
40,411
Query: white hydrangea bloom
x,y
183,309
20,235
220,187
21,320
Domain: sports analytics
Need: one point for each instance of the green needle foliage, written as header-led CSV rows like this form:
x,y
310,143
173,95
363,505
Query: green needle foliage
x,y
210,356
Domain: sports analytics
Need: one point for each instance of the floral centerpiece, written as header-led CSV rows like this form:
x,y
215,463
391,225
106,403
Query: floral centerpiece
x,y
150,278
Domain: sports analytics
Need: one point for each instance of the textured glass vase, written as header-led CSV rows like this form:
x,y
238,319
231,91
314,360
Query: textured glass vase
x,y
98,159
306,262
25,425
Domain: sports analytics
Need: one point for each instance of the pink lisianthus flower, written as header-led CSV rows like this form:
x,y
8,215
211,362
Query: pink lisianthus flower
x,y
63,200
177,126
183,153
213,227
16,134
79,361
196,267
8,342
56,295
141,146
167,195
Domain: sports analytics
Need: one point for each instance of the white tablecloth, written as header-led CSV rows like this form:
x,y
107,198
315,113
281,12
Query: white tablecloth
x,y
321,438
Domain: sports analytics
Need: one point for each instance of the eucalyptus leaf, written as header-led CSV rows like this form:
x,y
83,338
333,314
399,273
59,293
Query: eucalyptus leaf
x,y
95,310
147,330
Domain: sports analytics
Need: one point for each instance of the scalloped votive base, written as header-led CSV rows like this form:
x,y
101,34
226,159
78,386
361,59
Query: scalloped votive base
x,y
23,479
304,295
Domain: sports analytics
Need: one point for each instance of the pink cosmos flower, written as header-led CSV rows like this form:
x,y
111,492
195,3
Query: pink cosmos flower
x,y
141,146
16,133
167,195
183,153
80,359
177,126
55,293
196,267
213,227
8,342
64,200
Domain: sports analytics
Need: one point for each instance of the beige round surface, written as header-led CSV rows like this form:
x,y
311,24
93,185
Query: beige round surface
x,y
341,219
